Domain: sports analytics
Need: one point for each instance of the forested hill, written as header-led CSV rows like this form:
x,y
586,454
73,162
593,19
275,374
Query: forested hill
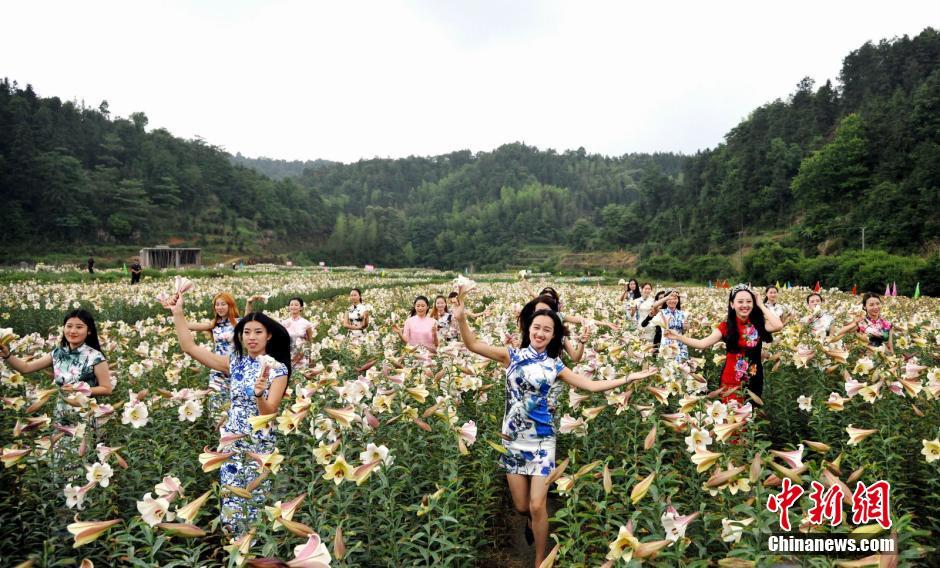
x,y
277,169
799,178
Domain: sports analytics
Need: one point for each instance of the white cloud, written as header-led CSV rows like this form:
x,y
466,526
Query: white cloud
x,y
303,80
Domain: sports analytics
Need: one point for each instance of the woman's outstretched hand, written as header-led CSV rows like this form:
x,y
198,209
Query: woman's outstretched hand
x,y
638,375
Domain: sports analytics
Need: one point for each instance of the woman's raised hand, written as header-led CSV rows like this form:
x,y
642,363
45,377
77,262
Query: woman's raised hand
x,y
174,304
460,311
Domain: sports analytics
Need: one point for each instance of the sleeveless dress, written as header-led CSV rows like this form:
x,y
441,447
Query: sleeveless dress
x,y
447,328
528,425
356,314
743,369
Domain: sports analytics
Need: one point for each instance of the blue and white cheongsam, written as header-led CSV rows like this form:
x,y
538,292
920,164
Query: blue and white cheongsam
x,y
676,323
223,334
528,425
240,469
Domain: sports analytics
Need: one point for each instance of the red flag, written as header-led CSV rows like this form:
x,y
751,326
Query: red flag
x,y
817,287
854,290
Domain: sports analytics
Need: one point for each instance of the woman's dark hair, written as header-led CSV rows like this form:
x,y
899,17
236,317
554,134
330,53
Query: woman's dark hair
x,y
279,344
635,293
418,299
814,294
525,314
89,321
645,284
868,296
768,289
358,291
298,298
553,349
678,298
756,317
659,295
548,290
452,295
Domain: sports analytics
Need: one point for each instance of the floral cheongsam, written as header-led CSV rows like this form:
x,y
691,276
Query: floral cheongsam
x,y
240,469
877,331
743,367
528,425
356,315
70,366
447,328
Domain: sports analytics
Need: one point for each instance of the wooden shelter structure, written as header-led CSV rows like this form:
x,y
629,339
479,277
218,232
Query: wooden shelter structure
x,y
166,257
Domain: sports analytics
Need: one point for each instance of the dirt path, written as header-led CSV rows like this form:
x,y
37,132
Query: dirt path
x,y
513,551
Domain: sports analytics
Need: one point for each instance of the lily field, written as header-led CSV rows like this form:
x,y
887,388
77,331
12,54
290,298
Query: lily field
x,y
388,456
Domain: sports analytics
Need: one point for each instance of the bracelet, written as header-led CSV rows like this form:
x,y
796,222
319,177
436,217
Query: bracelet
x,y
259,394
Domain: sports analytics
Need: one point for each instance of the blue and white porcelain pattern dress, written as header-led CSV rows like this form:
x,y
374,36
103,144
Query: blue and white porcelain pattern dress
x,y
223,334
528,425
240,469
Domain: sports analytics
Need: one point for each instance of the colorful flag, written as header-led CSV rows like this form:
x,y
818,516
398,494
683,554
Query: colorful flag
x,y
887,290
709,283
894,290
854,290
817,287
917,291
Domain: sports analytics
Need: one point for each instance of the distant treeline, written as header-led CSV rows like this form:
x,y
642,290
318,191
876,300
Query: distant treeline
x,y
277,169
808,174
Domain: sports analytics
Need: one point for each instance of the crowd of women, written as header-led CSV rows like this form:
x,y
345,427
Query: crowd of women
x,y
254,356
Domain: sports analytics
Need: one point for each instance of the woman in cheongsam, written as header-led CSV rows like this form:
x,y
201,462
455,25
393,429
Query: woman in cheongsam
x,y
356,318
222,324
870,325
258,369
528,428
300,330
677,320
744,331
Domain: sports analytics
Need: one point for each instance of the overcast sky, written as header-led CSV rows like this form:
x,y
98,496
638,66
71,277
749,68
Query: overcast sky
x,y
350,80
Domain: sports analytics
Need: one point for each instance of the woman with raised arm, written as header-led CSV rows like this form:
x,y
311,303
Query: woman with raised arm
x,y
528,429
300,330
356,318
771,293
677,321
640,308
76,363
631,293
568,317
224,318
818,318
744,331
650,331
870,324
258,369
